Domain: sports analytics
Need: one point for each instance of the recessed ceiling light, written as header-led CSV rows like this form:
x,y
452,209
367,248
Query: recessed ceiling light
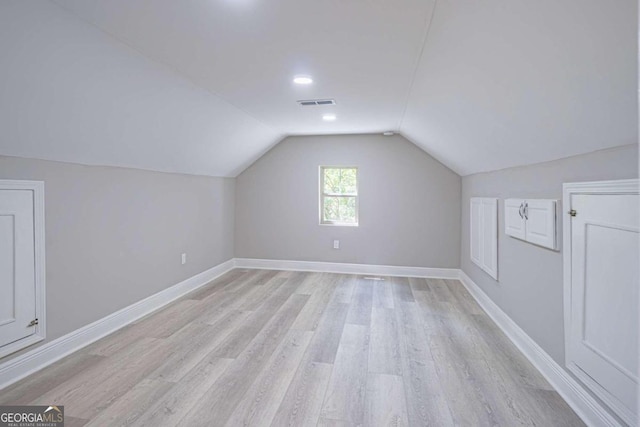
x,y
302,80
388,133
329,117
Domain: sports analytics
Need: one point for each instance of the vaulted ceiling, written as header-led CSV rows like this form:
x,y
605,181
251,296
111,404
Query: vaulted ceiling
x,y
205,87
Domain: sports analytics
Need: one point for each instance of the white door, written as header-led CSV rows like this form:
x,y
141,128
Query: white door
x,y
484,234
514,221
540,217
476,232
17,265
490,236
22,265
603,340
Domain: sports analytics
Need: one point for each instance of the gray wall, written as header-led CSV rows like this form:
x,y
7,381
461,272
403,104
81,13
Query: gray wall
x,y
409,204
529,287
115,236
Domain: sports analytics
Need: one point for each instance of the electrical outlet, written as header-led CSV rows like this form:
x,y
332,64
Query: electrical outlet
x,y
336,244
184,259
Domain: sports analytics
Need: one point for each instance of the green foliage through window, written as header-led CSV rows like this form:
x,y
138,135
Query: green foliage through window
x,y
339,198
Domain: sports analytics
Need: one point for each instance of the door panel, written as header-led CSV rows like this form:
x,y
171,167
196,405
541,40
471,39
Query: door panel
x,y
490,236
17,265
484,234
476,231
541,220
514,221
604,293
613,340
7,271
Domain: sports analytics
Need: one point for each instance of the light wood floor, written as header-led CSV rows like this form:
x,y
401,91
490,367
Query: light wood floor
x,y
275,348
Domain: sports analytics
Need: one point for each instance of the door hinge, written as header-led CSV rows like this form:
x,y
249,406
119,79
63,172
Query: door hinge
x,y
572,212
34,322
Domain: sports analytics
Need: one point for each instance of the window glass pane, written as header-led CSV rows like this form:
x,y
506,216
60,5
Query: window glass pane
x,y
348,181
340,181
331,181
347,209
331,209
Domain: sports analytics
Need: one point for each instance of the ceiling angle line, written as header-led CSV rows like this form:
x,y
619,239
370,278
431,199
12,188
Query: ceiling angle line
x,y
425,38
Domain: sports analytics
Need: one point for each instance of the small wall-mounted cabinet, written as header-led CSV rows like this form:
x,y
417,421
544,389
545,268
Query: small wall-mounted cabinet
x,y
484,234
532,220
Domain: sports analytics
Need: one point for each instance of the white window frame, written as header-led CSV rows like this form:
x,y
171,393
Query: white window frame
x,y
323,194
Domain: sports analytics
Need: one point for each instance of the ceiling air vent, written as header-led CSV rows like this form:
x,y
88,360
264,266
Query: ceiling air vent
x,y
316,102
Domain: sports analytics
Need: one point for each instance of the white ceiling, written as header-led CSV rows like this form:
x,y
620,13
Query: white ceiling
x,y
69,92
506,83
205,87
360,52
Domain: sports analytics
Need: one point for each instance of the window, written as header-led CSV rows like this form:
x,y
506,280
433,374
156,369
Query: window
x,y
338,195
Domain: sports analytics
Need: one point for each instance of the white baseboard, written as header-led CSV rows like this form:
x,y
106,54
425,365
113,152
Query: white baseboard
x,y
344,268
23,365
587,407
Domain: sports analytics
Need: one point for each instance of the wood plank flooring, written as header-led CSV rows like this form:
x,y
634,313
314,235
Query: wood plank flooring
x,y
276,348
